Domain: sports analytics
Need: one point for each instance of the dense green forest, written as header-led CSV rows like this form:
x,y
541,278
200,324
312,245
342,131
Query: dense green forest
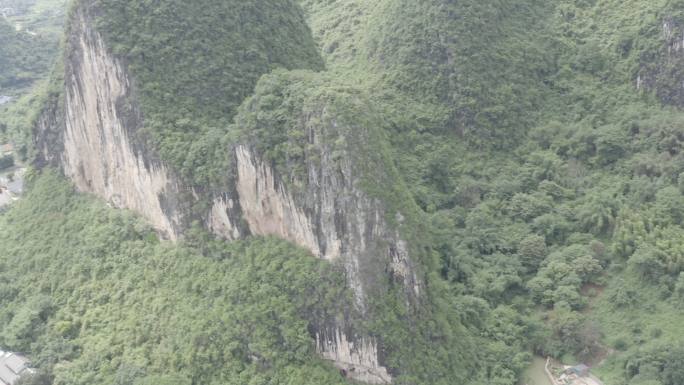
x,y
29,37
25,58
535,147
196,63
29,46
99,300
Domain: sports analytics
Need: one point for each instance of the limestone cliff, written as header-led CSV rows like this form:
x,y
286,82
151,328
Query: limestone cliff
x,y
93,138
339,224
332,217
94,135
357,358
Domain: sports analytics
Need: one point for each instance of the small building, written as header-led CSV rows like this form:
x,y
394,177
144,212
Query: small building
x,y
580,370
4,99
12,367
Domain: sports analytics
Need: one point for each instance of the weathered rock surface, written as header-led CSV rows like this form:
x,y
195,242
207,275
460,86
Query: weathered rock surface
x,y
357,358
335,220
93,136
97,148
662,70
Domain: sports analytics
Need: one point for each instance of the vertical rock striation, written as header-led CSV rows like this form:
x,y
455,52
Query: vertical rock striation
x,y
93,135
357,358
97,146
661,67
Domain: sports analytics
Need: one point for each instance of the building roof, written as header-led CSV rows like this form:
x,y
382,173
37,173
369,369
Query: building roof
x,y
12,367
7,148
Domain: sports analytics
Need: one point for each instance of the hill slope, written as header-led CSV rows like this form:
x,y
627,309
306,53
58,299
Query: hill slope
x,y
24,58
487,174
96,298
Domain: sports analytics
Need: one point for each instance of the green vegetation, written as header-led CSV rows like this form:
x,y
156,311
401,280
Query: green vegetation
x,y
18,117
95,298
39,17
29,37
541,192
195,62
29,45
642,323
23,58
549,177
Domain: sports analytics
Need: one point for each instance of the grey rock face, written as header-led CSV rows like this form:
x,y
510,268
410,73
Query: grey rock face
x,y
92,137
357,358
663,70
96,146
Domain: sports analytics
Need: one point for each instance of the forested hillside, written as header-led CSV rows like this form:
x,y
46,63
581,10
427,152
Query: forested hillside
x,y
30,31
20,63
197,62
97,299
29,37
539,216
529,153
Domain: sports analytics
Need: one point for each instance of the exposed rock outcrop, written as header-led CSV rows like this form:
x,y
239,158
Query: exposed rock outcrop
x,y
356,358
336,221
94,139
662,70
267,206
332,217
93,135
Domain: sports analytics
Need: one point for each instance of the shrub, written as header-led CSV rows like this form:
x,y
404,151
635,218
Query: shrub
x,y
620,344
